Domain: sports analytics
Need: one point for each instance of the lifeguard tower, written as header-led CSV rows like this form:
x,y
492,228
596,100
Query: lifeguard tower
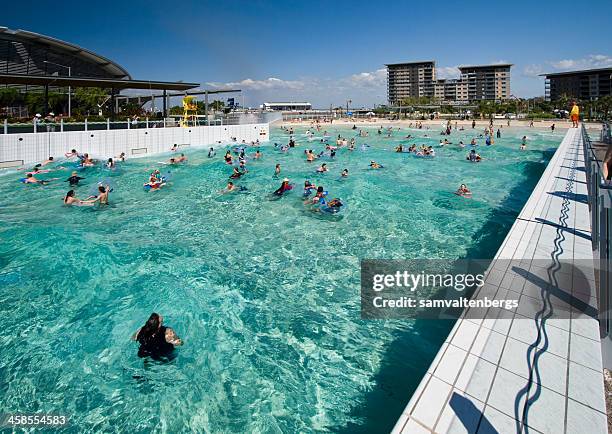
x,y
190,112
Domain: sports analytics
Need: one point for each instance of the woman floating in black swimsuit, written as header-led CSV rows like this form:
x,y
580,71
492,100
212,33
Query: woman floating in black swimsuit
x,y
156,341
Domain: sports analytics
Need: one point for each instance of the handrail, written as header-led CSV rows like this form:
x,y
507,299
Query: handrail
x,y
600,207
606,133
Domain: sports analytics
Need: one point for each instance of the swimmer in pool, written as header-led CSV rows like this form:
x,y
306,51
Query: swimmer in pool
x,y
308,187
155,182
74,179
463,191
335,203
236,173
47,161
121,157
37,171
110,164
30,179
102,197
229,188
318,198
71,199
181,159
323,168
283,188
228,157
73,153
344,173
310,157
277,169
257,155
87,161
375,165
174,148
211,152
473,156
156,341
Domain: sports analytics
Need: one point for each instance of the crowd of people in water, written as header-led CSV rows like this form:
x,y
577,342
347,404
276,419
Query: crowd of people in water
x,y
157,341
236,157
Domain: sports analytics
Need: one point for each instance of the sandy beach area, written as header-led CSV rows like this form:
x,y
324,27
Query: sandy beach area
x,y
439,123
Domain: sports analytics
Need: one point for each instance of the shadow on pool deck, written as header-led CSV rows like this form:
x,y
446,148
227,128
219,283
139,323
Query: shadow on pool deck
x,y
410,354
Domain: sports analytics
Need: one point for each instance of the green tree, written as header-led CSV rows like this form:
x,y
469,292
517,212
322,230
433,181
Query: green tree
x,y
217,105
604,104
35,102
87,99
57,102
131,109
9,96
176,110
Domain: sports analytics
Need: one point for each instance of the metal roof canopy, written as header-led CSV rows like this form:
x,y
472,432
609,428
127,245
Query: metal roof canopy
x,y
113,67
50,80
204,92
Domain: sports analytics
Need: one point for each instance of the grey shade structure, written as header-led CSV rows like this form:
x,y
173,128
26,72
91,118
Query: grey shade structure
x,y
24,52
107,83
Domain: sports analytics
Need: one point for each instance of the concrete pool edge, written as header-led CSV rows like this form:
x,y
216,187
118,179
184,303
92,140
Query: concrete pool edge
x,y
30,148
469,385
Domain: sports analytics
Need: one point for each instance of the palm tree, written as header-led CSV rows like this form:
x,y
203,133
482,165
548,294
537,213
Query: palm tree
x,y
605,104
217,105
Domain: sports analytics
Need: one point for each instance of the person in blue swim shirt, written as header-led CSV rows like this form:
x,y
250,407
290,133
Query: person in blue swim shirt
x,y
318,198
308,187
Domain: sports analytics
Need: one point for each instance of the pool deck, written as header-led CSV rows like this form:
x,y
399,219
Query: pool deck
x,y
536,368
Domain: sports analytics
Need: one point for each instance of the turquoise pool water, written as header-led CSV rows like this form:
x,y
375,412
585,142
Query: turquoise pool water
x,y
264,293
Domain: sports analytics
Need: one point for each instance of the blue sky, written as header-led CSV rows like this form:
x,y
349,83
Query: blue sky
x,y
325,52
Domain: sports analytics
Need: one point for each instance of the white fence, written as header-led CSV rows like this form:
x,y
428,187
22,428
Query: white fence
x,y
19,149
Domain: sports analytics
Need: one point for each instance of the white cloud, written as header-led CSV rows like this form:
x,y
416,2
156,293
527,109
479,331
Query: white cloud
x,y
367,79
533,70
588,62
266,84
447,72
591,61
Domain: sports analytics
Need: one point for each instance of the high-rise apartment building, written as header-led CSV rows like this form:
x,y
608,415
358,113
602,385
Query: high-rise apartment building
x,y
487,82
476,83
410,80
589,84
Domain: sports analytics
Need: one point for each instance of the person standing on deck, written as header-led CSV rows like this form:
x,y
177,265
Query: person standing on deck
x,y
575,114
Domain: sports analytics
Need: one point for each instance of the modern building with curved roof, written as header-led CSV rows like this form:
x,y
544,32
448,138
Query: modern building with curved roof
x,y
29,53
33,63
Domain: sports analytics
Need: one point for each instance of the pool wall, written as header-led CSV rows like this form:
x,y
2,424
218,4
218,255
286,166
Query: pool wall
x,y
19,149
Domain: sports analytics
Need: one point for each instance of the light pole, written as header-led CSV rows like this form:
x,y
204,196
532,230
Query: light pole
x,y
348,101
69,87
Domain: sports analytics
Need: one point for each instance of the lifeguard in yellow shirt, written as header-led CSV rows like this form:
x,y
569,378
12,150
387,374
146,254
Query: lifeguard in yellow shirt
x,y
575,114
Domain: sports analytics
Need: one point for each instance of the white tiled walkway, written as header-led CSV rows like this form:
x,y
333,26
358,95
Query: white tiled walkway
x,y
536,368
